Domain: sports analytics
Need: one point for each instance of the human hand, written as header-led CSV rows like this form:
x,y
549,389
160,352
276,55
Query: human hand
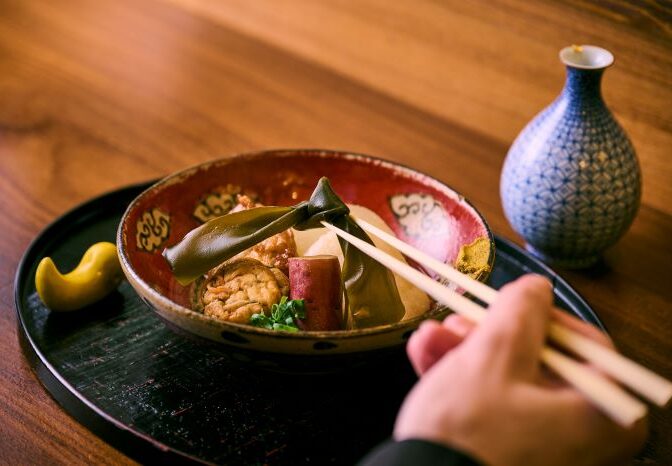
x,y
482,390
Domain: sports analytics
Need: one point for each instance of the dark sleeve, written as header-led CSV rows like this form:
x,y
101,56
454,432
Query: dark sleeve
x,y
416,453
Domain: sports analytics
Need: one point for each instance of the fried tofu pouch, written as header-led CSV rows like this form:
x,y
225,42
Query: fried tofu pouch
x,y
242,287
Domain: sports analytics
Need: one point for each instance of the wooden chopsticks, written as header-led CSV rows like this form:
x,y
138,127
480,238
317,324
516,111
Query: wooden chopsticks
x,y
604,394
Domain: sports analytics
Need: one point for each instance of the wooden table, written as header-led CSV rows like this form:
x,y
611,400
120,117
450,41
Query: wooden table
x,y
98,95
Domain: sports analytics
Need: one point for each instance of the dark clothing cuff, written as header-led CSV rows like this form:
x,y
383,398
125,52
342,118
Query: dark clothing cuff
x,y
415,453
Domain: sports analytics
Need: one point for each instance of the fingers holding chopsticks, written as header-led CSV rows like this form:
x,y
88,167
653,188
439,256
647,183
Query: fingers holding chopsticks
x,y
515,330
510,339
433,340
481,390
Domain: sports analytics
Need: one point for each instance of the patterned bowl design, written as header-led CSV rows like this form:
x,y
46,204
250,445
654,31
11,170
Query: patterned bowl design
x,y
571,184
420,209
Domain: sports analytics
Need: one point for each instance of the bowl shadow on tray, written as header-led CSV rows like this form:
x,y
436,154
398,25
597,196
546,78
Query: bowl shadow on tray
x,y
294,365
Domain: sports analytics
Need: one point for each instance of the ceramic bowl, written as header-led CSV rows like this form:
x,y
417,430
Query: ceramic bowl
x,y
420,210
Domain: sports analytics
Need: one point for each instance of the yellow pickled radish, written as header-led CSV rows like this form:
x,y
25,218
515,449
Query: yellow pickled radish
x,y
96,275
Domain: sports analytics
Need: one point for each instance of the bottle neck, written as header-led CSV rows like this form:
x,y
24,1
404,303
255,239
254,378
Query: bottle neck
x,y
583,87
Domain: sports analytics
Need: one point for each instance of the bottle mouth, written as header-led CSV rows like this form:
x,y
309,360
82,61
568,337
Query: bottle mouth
x,y
586,57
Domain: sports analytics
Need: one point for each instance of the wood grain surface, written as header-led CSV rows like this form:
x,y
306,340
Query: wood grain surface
x,y
97,95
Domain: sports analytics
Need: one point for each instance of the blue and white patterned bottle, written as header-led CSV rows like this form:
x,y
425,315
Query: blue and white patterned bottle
x,y
571,182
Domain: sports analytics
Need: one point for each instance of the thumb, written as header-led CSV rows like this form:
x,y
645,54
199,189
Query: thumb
x,y
514,331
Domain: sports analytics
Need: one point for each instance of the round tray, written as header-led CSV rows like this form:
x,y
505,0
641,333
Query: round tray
x,y
158,396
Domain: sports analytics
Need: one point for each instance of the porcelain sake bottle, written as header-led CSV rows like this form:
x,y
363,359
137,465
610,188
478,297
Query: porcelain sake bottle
x,y
571,182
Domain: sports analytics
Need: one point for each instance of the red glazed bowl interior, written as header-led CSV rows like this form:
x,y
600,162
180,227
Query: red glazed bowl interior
x,y
420,210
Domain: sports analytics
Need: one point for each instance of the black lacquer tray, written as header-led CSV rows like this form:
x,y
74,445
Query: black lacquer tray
x,y
161,397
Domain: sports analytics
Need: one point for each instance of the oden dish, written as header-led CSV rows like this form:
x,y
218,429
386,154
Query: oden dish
x,y
418,209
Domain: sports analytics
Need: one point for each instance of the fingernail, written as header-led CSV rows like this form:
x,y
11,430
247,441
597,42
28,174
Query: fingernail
x,y
428,323
458,324
538,280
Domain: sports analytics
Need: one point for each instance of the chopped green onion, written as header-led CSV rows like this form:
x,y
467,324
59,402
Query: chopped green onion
x,y
283,316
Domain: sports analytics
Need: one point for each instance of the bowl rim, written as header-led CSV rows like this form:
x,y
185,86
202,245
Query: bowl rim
x,y
176,177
